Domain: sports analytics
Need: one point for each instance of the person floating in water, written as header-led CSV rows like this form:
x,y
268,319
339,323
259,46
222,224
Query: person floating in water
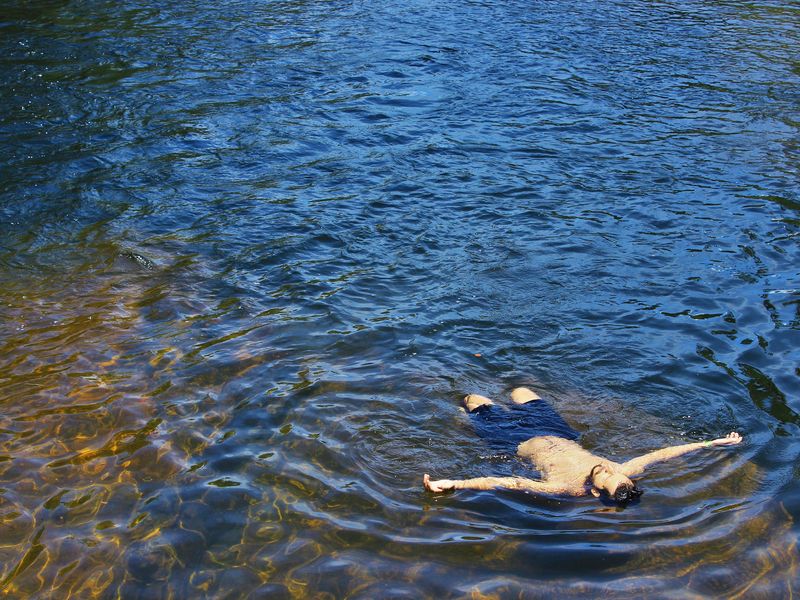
x,y
566,468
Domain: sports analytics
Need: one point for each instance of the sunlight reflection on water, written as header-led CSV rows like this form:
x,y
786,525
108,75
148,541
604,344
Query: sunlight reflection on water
x,y
252,256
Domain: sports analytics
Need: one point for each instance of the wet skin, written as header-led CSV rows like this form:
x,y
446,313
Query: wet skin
x,y
567,469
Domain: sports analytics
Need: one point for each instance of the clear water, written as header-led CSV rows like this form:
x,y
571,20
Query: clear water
x,y
252,254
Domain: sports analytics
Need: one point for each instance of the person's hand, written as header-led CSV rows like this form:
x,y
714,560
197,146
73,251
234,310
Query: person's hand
x,y
729,440
442,485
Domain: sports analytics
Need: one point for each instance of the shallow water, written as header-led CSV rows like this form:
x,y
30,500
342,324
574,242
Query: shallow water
x,y
253,254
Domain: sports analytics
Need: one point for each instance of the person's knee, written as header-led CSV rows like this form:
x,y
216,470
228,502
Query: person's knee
x,y
522,395
474,401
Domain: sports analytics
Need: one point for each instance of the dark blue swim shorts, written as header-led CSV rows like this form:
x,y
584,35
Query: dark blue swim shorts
x,y
505,428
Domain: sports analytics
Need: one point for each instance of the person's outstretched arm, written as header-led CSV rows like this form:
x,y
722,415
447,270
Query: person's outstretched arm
x,y
637,465
490,483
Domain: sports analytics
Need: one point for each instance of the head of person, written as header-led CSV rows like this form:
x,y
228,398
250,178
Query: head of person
x,y
618,486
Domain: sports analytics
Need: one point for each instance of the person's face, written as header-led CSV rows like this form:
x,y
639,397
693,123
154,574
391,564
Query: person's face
x,y
614,481
607,480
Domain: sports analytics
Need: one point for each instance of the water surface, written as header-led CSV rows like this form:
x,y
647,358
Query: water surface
x,y
252,254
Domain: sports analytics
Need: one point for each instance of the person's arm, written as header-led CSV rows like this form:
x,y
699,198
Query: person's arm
x,y
637,465
490,483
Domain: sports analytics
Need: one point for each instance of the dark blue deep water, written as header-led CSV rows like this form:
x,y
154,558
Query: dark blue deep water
x,y
254,253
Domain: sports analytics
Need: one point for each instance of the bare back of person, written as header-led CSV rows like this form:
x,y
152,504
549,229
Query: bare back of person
x,y
566,468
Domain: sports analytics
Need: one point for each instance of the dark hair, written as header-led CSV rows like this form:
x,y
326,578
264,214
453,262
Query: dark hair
x,y
626,492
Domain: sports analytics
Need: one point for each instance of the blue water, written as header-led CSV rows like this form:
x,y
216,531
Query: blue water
x,y
252,256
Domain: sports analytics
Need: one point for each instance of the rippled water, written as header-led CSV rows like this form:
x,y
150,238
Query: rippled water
x,y
252,254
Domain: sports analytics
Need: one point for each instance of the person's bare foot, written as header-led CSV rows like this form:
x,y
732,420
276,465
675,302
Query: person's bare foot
x,y
474,401
523,395
436,486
